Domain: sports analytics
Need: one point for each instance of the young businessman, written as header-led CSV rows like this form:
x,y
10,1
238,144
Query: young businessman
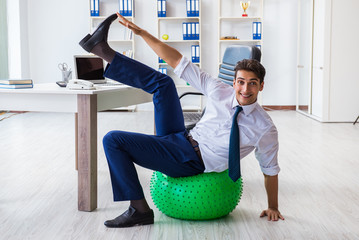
x,y
173,151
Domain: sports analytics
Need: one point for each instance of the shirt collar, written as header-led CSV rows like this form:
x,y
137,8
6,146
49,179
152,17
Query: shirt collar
x,y
247,109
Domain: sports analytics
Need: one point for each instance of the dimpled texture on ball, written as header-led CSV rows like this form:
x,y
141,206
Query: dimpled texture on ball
x,y
201,197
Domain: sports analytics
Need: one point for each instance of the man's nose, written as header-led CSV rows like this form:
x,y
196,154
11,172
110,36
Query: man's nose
x,y
245,87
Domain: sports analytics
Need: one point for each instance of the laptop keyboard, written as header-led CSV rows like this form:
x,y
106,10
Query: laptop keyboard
x,y
192,117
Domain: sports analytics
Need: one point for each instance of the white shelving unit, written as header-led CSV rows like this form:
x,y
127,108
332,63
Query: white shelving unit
x,y
172,26
231,23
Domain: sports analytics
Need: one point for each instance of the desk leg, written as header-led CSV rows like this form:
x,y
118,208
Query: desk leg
x,y
76,141
87,152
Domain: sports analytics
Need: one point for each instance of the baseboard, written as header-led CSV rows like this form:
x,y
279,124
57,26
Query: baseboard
x,y
278,107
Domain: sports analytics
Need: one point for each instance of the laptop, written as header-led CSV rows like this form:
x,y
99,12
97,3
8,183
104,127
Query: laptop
x,y
90,68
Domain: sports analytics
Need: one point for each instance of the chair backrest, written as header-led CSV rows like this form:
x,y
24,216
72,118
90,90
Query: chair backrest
x,y
232,55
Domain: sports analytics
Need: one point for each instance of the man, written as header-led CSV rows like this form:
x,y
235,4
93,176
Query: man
x,y
173,151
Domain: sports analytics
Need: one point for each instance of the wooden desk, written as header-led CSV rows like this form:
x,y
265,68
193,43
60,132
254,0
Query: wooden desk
x,y
49,97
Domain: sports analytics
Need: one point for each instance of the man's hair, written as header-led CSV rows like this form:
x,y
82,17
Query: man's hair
x,y
251,65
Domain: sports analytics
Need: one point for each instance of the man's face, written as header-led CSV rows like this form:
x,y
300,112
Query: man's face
x,y
247,86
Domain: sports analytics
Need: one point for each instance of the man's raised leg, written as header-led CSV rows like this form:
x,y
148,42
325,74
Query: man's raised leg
x,y
167,107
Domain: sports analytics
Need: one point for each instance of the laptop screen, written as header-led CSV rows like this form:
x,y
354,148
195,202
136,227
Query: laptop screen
x,y
89,68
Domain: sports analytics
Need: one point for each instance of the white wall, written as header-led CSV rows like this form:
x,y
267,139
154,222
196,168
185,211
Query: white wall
x,y
14,39
56,27
280,51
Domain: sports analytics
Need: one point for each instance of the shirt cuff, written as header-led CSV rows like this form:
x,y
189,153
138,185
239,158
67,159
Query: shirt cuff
x,y
271,171
181,66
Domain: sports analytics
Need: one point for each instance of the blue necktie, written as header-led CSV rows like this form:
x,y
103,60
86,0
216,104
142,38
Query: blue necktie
x,y
234,168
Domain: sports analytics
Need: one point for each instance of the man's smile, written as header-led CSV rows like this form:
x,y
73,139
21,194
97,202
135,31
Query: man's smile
x,y
246,95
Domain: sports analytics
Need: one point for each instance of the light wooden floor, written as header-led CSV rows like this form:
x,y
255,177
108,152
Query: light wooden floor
x,y
319,184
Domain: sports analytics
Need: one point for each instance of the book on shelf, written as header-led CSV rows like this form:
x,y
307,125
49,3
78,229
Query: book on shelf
x,y
163,70
160,60
161,8
15,86
126,8
15,81
128,35
92,8
195,53
192,8
196,30
190,30
95,8
184,31
128,53
257,30
229,38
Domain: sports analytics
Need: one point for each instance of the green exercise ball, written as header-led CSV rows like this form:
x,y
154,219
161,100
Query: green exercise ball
x,y
201,197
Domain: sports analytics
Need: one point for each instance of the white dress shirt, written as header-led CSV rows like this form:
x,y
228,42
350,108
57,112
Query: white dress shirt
x,y
257,131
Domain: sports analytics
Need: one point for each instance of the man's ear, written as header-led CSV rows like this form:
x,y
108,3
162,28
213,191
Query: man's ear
x,y
261,86
234,79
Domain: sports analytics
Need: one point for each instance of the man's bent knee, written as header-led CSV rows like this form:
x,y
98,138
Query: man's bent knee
x,y
109,138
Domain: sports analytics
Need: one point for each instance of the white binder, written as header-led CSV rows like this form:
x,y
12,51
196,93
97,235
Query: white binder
x,y
197,30
92,7
97,8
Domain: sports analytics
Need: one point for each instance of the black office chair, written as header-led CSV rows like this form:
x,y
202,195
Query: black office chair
x,y
191,118
232,55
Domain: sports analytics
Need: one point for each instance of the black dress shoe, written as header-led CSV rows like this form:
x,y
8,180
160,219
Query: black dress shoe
x,y
131,218
100,34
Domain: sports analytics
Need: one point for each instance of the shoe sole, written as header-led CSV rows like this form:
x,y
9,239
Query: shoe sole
x,y
133,225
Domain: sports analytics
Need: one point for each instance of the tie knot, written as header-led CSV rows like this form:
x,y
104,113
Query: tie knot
x,y
238,110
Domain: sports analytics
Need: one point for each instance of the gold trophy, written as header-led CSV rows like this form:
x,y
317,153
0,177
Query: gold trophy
x,y
245,6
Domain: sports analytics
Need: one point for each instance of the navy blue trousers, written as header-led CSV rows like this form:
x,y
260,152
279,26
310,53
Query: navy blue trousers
x,y
168,152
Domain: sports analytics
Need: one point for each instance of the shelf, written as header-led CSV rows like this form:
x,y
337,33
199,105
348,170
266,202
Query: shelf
x,y
239,18
180,41
178,18
104,17
239,41
120,41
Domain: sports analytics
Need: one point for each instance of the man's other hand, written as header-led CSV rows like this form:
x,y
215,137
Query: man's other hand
x,y
272,214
